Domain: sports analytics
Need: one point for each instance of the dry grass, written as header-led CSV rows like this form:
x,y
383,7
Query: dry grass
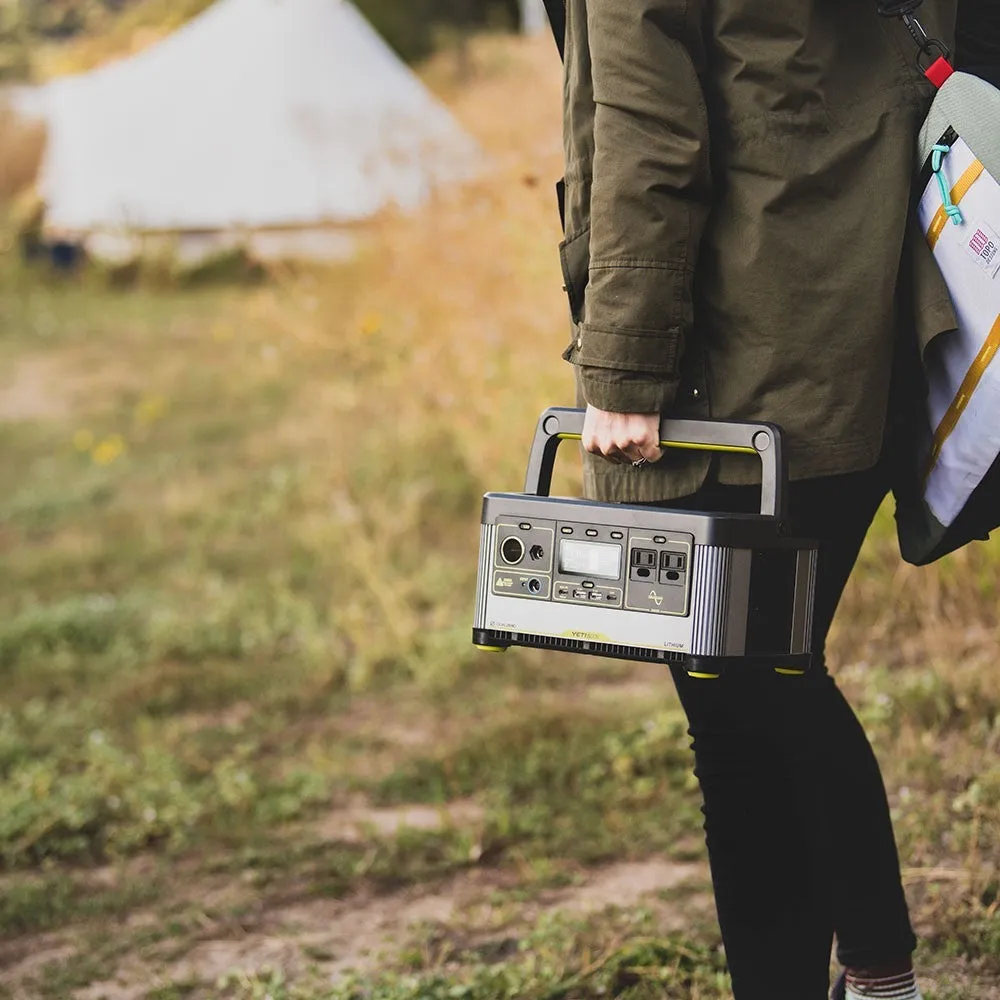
x,y
464,298
22,146
114,36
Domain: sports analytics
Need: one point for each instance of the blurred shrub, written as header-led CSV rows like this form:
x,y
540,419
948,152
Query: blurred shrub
x,y
411,28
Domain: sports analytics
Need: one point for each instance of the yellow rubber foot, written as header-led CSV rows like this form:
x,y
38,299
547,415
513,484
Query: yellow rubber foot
x,y
704,677
785,672
491,649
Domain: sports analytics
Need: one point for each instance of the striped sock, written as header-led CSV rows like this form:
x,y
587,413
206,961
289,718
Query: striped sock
x,y
901,987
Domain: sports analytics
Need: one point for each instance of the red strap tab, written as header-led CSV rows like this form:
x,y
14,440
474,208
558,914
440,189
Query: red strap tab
x,y
939,71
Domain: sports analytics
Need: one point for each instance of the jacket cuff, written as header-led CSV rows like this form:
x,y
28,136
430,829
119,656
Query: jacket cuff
x,y
626,392
646,352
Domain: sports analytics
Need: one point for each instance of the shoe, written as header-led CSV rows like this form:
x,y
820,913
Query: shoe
x,y
839,991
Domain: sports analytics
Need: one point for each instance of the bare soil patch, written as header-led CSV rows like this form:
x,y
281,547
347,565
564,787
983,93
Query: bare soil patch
x,y
354,824
34,390
328,938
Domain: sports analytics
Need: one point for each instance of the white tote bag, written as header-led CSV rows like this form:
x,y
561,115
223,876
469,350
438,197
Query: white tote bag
x,y
959,212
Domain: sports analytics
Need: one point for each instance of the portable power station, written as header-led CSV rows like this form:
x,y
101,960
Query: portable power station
x,y
710,591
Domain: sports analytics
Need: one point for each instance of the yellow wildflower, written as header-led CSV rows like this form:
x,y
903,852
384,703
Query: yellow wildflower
x,y
151,409
109,450
371,324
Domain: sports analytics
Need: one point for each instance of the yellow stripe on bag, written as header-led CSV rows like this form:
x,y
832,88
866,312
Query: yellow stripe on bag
x,y
958,192
969,385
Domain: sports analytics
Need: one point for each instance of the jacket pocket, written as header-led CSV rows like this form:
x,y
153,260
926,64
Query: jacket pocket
x,y
574,254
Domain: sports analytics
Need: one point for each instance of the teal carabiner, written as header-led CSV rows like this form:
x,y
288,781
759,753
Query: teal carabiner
x,y
938,153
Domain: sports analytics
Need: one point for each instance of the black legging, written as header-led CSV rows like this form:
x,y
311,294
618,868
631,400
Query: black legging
x,y
796,818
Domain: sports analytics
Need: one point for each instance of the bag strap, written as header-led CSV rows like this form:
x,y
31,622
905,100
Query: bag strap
x,y
933,57
556,9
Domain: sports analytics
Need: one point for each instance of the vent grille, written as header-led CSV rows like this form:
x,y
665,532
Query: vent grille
x,y
593,648
712,571
810,610
485,573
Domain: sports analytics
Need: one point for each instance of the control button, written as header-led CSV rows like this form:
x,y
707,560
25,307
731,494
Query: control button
x,y
592,532
524,526
564,591
589,584
580,595
535,586
566,531
537,552
660,539
617,535
594,596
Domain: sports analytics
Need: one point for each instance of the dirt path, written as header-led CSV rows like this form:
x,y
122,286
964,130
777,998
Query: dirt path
x,y
326,939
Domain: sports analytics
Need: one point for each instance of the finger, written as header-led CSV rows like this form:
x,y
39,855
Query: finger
x,y
650,447
640,446
633,453
602,446
648,444
650,452
612,452
590,439
618,446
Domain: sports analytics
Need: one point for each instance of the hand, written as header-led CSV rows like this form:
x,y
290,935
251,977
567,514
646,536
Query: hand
x,y
622,437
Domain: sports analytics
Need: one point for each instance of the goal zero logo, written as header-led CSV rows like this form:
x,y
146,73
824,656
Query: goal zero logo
x,y
985,247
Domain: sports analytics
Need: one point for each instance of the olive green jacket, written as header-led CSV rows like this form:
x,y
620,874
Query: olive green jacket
x,y
738,177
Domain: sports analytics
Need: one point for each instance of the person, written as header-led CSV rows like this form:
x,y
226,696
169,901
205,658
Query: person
x,y
736,206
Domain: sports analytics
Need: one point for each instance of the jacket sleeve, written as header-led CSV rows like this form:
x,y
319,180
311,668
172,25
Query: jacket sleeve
x,y
978,34
649,201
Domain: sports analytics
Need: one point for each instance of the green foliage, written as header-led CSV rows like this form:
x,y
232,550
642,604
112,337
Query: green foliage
x,y
410,28
561,958
88,796
568,785
42,904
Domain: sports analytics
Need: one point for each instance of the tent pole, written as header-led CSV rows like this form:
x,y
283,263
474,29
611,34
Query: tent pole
x,y
533,20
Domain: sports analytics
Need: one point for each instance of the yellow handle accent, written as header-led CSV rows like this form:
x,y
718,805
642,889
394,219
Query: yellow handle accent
x,y
958,192
682,446
965,392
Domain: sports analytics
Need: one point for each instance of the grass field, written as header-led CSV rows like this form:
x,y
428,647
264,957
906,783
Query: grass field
x,y
246,750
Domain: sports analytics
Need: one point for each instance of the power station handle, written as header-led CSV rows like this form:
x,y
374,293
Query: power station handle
x,y
560,424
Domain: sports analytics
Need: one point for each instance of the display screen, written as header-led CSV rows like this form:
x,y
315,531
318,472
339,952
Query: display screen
x,y
590,559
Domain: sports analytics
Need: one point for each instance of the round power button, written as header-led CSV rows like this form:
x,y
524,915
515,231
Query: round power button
x,y
512,550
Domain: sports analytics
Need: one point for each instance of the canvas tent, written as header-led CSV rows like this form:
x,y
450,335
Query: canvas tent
x,y
260,117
